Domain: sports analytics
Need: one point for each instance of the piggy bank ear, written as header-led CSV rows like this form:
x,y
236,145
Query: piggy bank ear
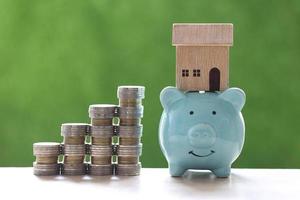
x,y
235,96
169,95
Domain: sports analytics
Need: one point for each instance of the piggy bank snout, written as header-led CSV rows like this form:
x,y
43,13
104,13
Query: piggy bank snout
x,y
202,136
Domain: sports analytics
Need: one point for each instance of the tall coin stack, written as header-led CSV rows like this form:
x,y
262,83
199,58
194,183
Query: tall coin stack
x,y
46,163
130,129
74,148
102,131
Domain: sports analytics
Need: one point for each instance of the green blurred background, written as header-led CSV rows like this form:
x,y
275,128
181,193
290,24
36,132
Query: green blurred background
x,y
59,56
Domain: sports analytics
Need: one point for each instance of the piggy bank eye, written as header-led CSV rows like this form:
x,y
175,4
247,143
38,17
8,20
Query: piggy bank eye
x,y
191,112
214,112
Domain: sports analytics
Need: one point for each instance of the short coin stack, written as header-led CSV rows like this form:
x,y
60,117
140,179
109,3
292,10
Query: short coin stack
x,y
102,131
46,158
130,130
74,148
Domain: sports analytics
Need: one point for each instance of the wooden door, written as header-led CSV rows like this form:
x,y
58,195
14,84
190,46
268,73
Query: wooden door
x,y
214,79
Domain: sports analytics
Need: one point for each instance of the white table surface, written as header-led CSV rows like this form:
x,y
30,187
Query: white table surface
x,y
284,184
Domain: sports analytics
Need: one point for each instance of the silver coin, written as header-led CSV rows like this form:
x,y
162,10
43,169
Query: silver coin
x,y
100,170
131,92
39,172
130,131
74,169
102,111
46,169
45,166
123,150
97,150
74,129
131,112
128,170
46,148
102,131
74,149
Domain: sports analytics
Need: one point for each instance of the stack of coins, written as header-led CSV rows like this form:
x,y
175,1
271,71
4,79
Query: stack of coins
x,y
102,131
74,148
130,129
46,163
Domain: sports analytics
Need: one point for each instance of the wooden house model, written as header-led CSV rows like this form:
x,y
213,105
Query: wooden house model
x,y
202,56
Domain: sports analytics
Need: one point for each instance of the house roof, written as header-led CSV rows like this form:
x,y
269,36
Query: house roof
x,y
186,34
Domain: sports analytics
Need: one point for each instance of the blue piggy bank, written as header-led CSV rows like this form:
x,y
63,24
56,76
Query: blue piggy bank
x,y
201,130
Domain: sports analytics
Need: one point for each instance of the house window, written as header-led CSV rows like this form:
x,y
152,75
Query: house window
x,y
185,73
196,72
